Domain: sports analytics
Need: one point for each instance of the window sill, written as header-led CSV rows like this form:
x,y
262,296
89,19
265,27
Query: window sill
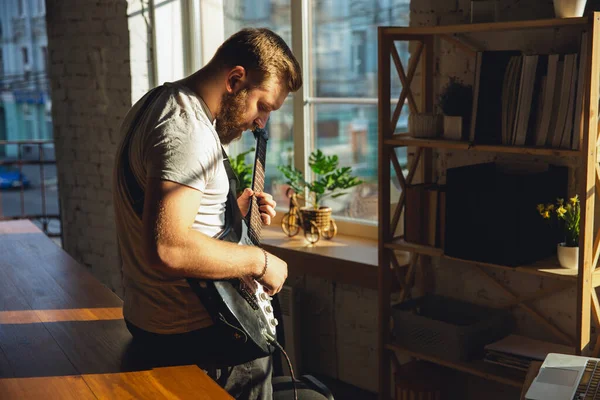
x,y
344,259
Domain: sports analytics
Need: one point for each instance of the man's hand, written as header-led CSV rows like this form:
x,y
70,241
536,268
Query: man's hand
x,y
275,275
265,202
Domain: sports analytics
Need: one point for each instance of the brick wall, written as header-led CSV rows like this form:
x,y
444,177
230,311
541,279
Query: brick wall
x,y
91,91
338,330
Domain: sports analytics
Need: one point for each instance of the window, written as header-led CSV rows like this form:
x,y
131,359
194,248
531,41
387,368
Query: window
x,y
342,98
168,41
21,7
338,104
44,50
359,52
25,56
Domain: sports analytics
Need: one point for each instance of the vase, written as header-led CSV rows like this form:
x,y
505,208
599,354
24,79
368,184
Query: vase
x,y
568,257
425,125
569,8
453,127
317,223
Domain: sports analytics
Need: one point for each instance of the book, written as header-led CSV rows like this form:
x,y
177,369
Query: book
x,y
486,117
561,116
521,122
581,86
547,101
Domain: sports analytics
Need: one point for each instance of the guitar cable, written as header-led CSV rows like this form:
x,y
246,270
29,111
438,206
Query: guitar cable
x,y
275,343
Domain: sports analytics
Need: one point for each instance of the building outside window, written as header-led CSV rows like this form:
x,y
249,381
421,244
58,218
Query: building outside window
x,y
25,104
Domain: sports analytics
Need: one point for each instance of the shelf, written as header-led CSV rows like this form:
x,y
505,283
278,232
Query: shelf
x,y
548,267
457,145
483,27
479,368
401,244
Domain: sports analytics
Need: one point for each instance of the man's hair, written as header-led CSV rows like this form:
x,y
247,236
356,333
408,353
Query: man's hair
x,y
262,51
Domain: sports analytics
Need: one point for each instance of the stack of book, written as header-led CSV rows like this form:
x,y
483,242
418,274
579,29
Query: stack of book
x,y
534,100
517,352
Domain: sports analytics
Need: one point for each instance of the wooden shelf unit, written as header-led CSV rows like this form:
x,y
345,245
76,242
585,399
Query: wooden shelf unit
x,y
547,267
480,368
406,141
585,162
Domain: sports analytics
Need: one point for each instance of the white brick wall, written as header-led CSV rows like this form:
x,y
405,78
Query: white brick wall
x,y
91,92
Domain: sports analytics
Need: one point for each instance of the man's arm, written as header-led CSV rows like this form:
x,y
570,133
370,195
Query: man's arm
x,y
171,245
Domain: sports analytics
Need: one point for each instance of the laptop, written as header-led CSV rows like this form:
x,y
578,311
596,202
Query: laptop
x,y
566,377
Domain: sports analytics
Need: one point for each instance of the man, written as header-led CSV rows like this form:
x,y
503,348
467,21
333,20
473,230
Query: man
x,y
170,191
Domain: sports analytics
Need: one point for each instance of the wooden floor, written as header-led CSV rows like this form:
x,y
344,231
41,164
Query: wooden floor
x,y
62,334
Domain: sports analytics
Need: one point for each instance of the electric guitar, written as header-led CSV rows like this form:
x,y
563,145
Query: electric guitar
x,y
241,306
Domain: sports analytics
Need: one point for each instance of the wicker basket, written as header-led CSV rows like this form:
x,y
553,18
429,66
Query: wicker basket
x,y
320,216
449,328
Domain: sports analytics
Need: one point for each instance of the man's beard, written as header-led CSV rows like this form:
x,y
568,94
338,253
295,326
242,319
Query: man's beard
x,y
230,124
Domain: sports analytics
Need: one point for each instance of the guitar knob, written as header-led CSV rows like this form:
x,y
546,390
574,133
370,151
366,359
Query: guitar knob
x,y
269,309
274,322
263,296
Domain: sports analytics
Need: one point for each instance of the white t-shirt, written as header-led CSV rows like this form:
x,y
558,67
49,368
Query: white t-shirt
x,y
175,140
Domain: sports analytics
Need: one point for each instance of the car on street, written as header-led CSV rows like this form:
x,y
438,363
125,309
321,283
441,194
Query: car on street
x,y
12,178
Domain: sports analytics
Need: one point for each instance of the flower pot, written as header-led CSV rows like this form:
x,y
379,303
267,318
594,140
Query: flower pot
x,y
569,8
453,127
425,125
568,257
317,223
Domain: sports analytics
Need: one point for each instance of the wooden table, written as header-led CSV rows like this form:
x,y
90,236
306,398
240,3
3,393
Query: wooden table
x,y
62,334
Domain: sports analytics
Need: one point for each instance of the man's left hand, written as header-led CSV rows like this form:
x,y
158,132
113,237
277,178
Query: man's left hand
x,y
265,202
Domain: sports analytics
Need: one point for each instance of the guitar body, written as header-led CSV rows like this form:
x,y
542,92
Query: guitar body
x,y
241,307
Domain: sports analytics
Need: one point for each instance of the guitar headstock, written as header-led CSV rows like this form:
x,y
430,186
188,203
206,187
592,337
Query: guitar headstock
x,y
259,132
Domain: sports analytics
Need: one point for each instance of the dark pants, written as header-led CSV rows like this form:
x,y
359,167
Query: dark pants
x,y
222,360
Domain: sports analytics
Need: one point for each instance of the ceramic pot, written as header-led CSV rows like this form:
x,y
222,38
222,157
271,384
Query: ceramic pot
x,y
569,8
568,257
453,128
425,125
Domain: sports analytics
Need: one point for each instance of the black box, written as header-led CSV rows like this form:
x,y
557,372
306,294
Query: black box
x,y
448,328
491,213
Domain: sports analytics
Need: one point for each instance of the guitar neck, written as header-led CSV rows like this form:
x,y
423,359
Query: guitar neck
x,y
258,185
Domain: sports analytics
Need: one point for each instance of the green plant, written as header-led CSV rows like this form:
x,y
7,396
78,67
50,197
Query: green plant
x,y
567,216
456,98
329,179
242,170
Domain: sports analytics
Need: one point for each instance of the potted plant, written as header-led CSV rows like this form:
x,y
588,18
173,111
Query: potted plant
x,y
566,216
455,101
242,170
330,181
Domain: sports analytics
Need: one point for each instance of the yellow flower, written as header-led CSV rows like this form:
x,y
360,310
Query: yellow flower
x,y
560,202
560,211
550,207
546,214
574,200
540,207
569,207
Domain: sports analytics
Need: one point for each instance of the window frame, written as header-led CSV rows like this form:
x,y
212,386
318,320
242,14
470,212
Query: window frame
x,y
200,48
304,109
